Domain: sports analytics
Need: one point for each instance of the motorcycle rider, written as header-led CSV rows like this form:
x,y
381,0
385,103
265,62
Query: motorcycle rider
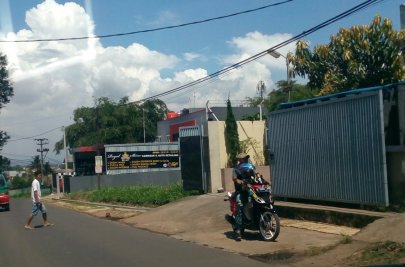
x,y
241,172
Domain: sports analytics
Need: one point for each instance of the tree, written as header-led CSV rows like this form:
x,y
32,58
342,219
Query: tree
x,y
36,164
280,95
6,92
4,163
114,123
231,135
155,110
359,57
22,181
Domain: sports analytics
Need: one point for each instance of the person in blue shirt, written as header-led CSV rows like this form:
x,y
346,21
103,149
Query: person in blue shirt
x,y
241,172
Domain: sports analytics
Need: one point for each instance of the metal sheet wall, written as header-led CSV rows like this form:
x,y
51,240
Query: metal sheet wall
x,y
330,151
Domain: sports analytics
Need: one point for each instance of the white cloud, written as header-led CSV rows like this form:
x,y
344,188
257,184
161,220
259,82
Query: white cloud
x,y
51,79
256,42
190,75
49,18
191,56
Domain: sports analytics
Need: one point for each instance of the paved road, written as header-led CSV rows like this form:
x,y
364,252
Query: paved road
x,y
81,240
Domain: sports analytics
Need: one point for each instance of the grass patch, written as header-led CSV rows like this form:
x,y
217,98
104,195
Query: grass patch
x,y
387,252
22,195
141,195
346,239
26,193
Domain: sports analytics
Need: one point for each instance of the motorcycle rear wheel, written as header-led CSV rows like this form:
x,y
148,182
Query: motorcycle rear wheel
x,y
269,226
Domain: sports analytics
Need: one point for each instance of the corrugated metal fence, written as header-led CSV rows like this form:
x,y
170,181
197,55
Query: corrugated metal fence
x,y
332,150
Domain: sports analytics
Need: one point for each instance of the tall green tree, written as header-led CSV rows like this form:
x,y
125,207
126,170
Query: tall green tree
x,y
153,111
280,94
359,57
114,123
6,92
4,163
36,164
231,135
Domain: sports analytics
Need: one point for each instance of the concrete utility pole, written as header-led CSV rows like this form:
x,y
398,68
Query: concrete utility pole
x,y
402,15
41,142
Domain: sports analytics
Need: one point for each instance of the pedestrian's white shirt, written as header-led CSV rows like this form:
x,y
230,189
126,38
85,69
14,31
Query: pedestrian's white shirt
x,y
35,187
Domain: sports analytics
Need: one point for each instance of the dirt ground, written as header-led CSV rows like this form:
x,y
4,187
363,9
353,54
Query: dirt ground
x,y
200,219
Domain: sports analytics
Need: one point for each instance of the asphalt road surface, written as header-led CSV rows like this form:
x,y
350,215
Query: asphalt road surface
x,y
78,239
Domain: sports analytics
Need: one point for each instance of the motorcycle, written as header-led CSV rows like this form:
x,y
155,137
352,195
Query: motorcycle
x,y
258,213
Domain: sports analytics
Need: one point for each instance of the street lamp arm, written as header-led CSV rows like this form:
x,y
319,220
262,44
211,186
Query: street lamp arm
x,y
276,54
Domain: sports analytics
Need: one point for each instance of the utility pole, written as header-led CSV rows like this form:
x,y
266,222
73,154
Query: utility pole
x,y
41,142
98,142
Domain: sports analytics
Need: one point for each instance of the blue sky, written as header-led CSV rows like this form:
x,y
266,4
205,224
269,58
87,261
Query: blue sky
x,y
51,79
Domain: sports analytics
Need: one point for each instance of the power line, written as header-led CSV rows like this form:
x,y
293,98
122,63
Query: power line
x,y
265,52
148,30
31,137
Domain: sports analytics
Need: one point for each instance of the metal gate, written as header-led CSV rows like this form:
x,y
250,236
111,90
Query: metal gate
x,y
193,161
331,150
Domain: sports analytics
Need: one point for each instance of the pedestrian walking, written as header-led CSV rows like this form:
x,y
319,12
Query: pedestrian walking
x,y
38,206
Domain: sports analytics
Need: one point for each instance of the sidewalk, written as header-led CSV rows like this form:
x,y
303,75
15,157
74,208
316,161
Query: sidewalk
x,y
200,219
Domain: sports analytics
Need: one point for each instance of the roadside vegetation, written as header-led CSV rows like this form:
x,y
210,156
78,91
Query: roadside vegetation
x,y
141,195
313,251
387,252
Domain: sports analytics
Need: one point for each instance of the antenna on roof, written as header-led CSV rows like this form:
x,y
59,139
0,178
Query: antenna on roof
x,y
260,89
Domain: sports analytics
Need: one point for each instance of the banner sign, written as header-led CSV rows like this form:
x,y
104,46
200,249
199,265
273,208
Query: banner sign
x,y
142,159
99,164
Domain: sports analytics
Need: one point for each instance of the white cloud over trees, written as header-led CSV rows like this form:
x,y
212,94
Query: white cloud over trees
x,y
53,78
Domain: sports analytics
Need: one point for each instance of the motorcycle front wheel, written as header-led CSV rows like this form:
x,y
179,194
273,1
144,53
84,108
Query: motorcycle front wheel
x,y
269,226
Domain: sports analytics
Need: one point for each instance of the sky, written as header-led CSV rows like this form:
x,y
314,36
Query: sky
x,y
53,78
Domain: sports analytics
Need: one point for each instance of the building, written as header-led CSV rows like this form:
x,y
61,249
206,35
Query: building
x,y
205,125
168,129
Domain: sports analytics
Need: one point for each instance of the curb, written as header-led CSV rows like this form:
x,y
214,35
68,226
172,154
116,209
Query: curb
x,y
116,206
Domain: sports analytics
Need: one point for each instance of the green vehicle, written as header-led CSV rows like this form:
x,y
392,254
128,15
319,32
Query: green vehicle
x,y
4,195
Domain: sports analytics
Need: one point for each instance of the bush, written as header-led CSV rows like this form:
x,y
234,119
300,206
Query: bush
x,y
142,195
21,182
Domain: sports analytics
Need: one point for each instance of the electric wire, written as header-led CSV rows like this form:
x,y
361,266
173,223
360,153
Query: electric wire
x,y
226,70
30,137
149,30
342,15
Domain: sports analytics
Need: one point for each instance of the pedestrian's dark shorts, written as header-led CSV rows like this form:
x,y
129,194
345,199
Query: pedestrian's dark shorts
x,y
38,207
